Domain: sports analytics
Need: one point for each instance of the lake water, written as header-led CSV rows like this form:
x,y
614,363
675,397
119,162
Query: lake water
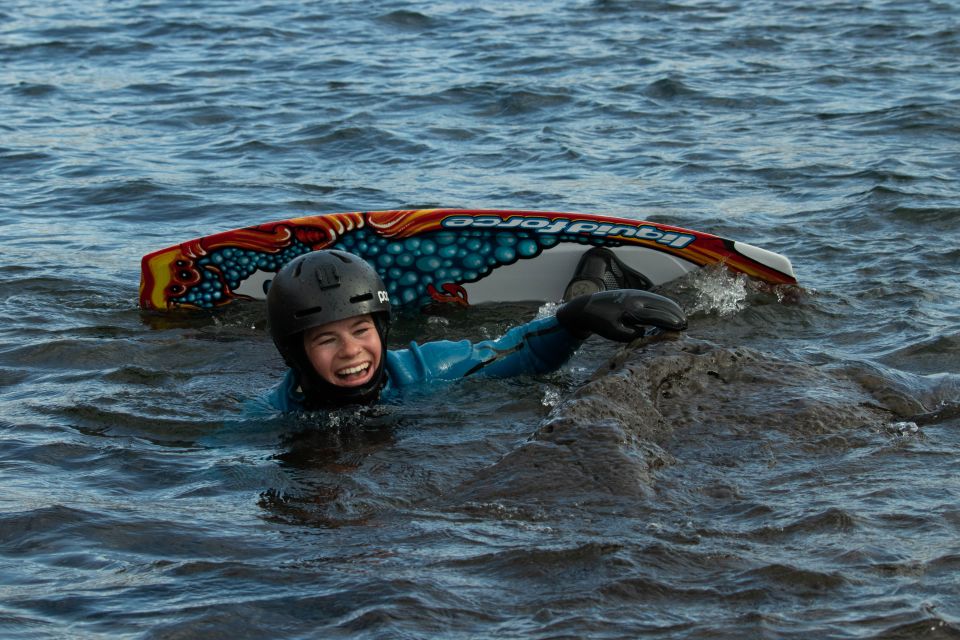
x,y
786,468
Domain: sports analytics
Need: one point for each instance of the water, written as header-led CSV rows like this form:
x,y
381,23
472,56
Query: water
x,y
787,469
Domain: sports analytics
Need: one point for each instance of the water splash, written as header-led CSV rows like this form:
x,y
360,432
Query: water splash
x,y
904,429
551,397
547,310
718,291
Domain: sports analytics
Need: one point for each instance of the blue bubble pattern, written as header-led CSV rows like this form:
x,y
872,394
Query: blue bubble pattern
x,y
408,266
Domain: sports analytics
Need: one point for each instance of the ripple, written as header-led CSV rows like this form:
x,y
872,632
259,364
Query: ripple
x,y
29,90
803,582
405,20
932,355
19,162
831,520
667,89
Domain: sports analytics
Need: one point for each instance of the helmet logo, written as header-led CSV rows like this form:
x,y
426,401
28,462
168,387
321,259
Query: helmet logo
x,y
327,276
383,296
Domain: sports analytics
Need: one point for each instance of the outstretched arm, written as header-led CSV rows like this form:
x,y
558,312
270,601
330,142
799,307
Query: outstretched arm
x,y
542,345
539,346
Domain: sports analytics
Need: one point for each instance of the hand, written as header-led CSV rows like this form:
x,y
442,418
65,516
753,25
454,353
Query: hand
x,y
620,314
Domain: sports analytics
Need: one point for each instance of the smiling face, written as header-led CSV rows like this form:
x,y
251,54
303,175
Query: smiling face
x,y
345,353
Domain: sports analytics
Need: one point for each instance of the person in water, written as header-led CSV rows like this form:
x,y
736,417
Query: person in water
x,y
329,317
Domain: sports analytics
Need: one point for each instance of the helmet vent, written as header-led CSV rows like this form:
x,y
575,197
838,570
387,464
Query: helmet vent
x,y
363,297
303,313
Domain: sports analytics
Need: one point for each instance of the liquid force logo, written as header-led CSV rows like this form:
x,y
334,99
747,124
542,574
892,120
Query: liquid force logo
x,y
562,225
383,296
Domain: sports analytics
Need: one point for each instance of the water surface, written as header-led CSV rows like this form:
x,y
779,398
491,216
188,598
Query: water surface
x,y
785,469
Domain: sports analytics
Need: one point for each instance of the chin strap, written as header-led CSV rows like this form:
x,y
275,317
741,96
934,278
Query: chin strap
x,y
320,394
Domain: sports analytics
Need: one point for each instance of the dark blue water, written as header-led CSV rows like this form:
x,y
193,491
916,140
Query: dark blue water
x,y
788,468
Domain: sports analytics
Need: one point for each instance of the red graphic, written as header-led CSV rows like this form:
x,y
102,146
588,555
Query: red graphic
x,y
452,294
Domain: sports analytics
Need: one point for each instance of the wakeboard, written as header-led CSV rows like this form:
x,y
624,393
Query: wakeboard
x,y
437,256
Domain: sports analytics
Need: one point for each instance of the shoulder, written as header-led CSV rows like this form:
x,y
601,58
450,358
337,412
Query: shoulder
x,y
286,396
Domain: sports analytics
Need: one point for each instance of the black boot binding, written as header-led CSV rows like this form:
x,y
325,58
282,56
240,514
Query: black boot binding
x,y
599,269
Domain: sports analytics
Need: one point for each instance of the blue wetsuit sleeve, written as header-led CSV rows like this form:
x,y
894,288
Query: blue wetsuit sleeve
x,y
536,347
286,397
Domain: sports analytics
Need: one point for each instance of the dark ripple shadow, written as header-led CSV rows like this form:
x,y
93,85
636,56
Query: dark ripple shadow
x,y
19,162
408,20
361,142
668,89
934,355
31,90
917,118
43,530
831,521
545,565
365,608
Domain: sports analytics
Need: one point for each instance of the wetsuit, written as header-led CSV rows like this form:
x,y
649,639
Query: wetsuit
x,y
539,346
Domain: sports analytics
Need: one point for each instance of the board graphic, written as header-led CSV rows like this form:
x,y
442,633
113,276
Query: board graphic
x,y
430,256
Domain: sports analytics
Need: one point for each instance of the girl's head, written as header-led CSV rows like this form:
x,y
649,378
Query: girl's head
x,y
328,314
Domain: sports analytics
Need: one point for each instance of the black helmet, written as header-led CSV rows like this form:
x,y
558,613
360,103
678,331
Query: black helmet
x,y
317,288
